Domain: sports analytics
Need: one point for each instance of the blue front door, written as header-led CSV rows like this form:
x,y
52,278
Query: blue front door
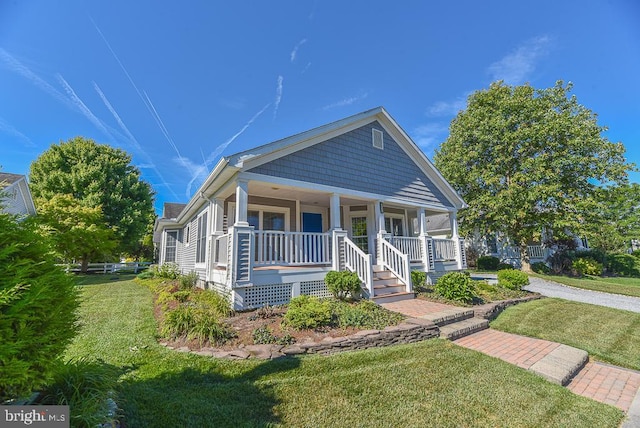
x,y
312,223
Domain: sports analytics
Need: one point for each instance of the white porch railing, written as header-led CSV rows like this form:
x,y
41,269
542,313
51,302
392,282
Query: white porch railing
x,y
106,268
359,262
291,248
221,250
444,249
408,245
395,260
536,252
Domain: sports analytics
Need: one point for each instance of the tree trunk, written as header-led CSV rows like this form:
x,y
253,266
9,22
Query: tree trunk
x,y
525,260
84,265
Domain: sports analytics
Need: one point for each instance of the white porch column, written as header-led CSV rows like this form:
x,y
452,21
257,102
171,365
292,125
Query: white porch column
x,y
379,213
335,212
453,220
426,242
217,216
242,202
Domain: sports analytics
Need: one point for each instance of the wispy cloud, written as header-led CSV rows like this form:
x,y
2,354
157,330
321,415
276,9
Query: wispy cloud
x,y
19,68
133,140
306,67
294,52
346,101
199,172
8,129
516,67
430,135
278,98
81,106
446,108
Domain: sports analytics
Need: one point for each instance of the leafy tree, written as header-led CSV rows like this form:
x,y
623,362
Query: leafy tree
x,y
618,218
76,232
525,159
38,303
97,175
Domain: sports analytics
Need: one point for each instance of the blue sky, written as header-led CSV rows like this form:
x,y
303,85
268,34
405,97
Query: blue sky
x,y
178,84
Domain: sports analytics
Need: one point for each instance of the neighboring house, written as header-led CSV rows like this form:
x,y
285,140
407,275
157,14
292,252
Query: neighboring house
x,y
15,197
502,247
356,194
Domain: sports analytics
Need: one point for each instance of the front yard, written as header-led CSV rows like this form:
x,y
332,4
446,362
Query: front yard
x,y
432,383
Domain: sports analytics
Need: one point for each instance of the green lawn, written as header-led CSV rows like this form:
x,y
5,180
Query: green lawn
x,y
617,285
609,335
433,383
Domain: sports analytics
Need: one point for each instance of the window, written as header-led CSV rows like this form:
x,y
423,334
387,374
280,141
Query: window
x,y
170,246
394,225
263,217
378,139
201,242
187,235
359,234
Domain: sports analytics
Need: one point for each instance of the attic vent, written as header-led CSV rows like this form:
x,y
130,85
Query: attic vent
x,y
378,141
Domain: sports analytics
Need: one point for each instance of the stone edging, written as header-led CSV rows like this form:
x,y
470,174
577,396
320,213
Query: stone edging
x,y
490,311
409,331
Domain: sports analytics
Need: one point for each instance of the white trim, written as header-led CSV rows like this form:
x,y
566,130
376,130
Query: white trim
x,y
203,263
317,210
344,193
261,209
378,142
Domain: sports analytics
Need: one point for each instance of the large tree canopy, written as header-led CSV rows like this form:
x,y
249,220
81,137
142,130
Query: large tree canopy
x,y
525,159
97,175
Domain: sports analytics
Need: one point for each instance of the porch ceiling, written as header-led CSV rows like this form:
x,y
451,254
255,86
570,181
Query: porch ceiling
x,y
305,196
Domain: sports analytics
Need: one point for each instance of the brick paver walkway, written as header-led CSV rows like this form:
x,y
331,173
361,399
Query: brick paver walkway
x,y
417,307
604,383
521,351
608,384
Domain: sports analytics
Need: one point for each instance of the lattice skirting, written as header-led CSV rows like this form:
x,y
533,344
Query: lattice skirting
x,y
272,294
314,288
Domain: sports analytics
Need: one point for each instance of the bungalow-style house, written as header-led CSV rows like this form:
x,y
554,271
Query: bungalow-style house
x,y
15,197
357,194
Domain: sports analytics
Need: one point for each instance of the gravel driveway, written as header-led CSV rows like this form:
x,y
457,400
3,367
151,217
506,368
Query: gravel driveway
x,y
553,289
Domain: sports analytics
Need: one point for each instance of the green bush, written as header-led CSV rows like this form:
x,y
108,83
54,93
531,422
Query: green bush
x,y
307,312
456,286
418,278
502,266
87,388
488,263
623,264
541,267
167,270
188,281
264,336
146,274
343,284
195,322
636,253
364,314
587,266
212,301
512,279
38,303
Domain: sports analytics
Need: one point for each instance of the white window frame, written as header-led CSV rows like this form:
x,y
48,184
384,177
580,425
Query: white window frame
x,y
261,209
200,239
380,134
402,217
164,247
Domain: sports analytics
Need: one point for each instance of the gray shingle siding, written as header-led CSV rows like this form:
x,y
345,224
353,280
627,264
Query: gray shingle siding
x,y
350,161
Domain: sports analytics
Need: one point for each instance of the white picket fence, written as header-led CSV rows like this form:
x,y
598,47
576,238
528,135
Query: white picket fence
x,y
106,268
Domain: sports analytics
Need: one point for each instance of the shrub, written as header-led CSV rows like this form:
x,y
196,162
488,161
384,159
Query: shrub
x,y
541,267
502,266
167,270
264,336
147,274
212,301
195,323
418,278
188,281
38,303
623,264
343,284
636,253
488,263
456,286
560,262
364,314
512,279
87,388
182,295
587,266
307,312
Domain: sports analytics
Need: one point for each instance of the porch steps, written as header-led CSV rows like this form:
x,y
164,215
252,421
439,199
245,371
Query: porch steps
x,y
457,322
387,288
